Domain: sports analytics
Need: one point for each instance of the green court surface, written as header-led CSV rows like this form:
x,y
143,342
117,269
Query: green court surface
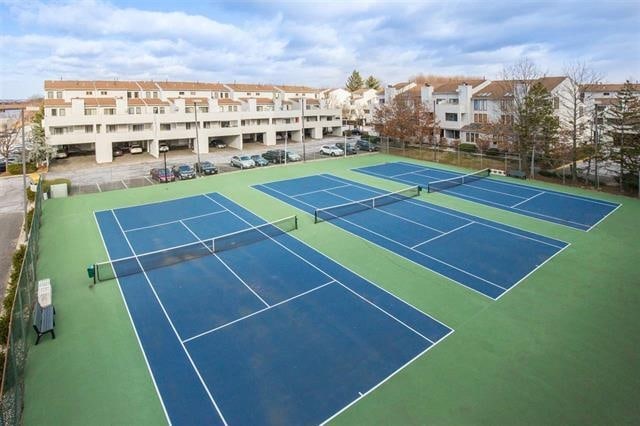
x,y
561,347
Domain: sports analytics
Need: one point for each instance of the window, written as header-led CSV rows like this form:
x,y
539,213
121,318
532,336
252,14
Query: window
x,y
135,95
480,118
57,130
453,101
103,93
165,126
161,110
188,126
193,93
206,124
450,116
137,127
88,128
58,95
88,93
180,93
506,119
147,94
243,122
471,137
54,112
155,110
605,94
129,95
97,128
49,95
61,112
111,128
203,109
155,95
188,109
221,109
138,110
248,93
480,104
109,111
257,93
556,102
130,110
89,111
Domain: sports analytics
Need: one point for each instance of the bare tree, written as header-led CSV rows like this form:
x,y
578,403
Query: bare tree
x,y
8,139
581,77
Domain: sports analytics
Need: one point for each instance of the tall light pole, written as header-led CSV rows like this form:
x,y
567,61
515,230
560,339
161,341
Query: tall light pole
x,y
166,178
304,156
286,136
197,142
24,167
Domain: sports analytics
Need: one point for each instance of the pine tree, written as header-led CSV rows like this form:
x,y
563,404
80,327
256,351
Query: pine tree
x,y
372,83
354,82
623,119
41,151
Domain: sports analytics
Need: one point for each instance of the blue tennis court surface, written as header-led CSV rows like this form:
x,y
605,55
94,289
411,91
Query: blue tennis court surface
x,y
485,256
271,332
571,210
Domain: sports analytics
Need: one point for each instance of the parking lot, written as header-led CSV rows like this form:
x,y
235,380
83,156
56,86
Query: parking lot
x,y
132,170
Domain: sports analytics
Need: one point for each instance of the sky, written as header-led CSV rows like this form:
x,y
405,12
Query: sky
x,y
315,43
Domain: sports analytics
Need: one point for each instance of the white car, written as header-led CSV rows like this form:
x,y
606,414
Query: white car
x,y
242,161
331,150
293,156
136,149
163,148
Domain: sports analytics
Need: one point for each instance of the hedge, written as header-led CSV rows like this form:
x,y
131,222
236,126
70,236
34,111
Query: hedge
x,y
28,220
468,147
10,294
16,168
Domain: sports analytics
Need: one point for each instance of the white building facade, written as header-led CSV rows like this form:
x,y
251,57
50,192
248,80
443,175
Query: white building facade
x,y
102,115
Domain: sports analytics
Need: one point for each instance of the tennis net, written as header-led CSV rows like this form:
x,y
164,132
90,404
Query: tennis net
x,y
441,185
328,213
131,265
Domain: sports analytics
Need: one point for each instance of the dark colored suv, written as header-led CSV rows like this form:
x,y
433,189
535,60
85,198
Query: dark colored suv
x,y
205,168
274,156
184,171
363,145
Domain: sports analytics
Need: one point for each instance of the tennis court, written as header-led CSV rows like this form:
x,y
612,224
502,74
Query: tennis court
x,y
242,323
566,209
485,256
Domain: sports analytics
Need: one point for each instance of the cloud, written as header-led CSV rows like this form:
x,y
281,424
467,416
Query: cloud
x,y
315,43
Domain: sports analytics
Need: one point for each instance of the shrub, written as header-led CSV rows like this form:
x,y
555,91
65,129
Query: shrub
x,y
547,173
493,152
468,147
16,169
31,196
28,220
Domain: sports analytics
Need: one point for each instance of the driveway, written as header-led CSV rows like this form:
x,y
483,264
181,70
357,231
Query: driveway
x,y
10,223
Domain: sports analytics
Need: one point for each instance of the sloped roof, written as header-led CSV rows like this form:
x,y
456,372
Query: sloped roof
x,y
245,87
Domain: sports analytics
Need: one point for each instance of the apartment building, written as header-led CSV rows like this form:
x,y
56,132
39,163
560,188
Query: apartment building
x,y
101,115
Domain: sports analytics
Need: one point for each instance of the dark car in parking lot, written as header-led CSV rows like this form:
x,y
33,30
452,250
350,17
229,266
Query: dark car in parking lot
x,y
117,152
364,145
275,156
3,165
184,171
205,168
162,175
350,148
259,160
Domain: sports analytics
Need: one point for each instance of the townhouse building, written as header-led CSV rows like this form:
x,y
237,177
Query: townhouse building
x,y
98,116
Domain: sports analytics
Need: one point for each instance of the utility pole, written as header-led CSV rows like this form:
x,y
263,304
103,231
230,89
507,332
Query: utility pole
x,y
595,141
197,144
24,167
286,137
304,156
166,177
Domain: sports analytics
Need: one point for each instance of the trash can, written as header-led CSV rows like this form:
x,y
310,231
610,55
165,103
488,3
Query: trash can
x,y
91,271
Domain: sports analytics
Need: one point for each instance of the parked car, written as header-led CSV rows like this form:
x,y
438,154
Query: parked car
x,y
162,175
259,160
293,156
218,144
205,168
163,147
331,150
350,148
364,145
242,161
135,149
61,153
275,156
184,171
356,132
3,165
117,152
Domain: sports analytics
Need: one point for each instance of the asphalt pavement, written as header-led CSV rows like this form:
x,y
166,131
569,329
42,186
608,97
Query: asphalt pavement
x,y
10,223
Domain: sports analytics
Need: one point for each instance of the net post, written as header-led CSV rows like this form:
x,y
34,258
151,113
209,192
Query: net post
x,y
95,274
213,245
315,216
295,219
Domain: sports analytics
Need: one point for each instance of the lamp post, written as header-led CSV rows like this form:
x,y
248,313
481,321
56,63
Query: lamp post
x,y
304,156
197,143
286,136
166,178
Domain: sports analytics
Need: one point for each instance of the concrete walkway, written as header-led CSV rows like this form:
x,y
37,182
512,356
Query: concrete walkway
x,y
10,223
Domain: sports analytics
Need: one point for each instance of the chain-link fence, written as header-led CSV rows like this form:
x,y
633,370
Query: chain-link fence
x,y
17,345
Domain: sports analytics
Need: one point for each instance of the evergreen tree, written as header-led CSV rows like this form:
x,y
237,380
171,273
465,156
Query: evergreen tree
x,y
372,83
41,151
623,119
354,82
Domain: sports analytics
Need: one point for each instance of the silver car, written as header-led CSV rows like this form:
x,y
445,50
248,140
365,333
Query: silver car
x,y
242,161
331,150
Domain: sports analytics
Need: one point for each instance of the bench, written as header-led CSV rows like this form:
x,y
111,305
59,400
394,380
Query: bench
x,y
43,321
517,174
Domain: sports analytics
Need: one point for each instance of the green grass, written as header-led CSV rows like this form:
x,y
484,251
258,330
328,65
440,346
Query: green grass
x,y
562,347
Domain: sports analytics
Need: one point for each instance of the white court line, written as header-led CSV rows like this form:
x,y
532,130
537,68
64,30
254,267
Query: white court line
x,y
135,330
528,199
99,189
443,234
409,248
319,190
204,333
318,269
424,205
193,365
125,185
196,237
605,216
241,280
174,221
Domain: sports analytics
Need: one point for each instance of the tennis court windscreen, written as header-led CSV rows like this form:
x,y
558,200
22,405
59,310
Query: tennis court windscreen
x,y
340,210
157,259
441,185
